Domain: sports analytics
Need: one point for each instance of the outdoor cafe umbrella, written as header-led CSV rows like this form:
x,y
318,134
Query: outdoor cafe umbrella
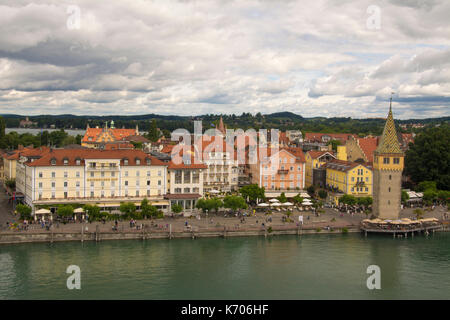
x,y
214,191
274,200
276,204
78,210
42,211
287,204
263,204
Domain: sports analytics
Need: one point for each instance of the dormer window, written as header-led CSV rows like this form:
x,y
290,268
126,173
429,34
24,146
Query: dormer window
x,y
78,162
149,162
125,162
66,161
53,162
138,161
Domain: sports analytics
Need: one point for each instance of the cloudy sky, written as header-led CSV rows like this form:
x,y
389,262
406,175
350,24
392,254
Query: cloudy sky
x,y
314,58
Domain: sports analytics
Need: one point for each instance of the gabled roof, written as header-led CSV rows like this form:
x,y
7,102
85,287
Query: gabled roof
x,y
92,134
318,154
368,146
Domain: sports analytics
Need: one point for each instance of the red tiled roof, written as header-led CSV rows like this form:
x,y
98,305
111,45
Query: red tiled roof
x,y
27,152
118,134
368,146
117,146
73,154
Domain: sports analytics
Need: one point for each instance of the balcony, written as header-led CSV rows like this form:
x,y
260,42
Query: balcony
x,y
105,168
283,171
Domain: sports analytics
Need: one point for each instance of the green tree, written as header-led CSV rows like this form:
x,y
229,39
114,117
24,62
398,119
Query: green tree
x,y
93,211
418,212
429,196
24,211
443,196
297,199
252,193
128,209
177,208
282,198
323,194
234,202
427,158
153,133
147,210
427,185
405,197
311,190
348,199
65,211
11,183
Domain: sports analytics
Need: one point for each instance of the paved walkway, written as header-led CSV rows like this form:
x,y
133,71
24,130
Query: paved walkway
x,y
5,209
331,218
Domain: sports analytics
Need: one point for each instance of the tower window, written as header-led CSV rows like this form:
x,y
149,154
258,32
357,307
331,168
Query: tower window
x,y
389,189
386,160
389,202
390,177
396,160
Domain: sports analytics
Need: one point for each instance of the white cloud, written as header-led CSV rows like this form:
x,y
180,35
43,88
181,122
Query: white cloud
x,y
191,57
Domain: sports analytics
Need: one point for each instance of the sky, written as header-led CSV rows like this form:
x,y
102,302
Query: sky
x,y
314,58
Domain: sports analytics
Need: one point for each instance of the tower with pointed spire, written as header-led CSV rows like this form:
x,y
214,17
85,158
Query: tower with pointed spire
x,y
221,126
387,172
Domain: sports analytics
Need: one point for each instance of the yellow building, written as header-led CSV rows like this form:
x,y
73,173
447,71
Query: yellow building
x,y
90,176
349,178
315,160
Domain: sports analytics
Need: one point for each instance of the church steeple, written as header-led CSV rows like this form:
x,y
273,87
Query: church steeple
x,y
389,140
221,127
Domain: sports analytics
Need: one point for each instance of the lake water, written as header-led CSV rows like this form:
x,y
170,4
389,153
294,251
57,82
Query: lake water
x,y
285,267
36,131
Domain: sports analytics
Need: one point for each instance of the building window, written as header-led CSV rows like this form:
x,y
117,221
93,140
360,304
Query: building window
x,y
112,193
78,174
159,182
389,189
66,162
390,177
125,162
53,194
138,162
53,174
65,184
126,173
138,173
65,194
92,194
159,173
40,184
40,174
187,176
53,162
78,194
53,184
78,184
92,184
92,174
102,174
148,173
396,160
148,182
148,192
137,193
386,160
78,162
126,182
113,174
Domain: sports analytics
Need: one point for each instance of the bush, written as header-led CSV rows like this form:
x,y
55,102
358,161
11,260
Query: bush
x,y
318,229
24,211
344,230
269,229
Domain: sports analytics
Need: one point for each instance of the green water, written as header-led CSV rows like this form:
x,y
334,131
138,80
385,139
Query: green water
x,y
286,267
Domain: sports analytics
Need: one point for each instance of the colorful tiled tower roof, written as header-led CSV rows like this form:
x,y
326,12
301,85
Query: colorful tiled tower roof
x,y
389,141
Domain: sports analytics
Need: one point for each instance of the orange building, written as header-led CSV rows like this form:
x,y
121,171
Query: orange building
x,y
282,169
98,137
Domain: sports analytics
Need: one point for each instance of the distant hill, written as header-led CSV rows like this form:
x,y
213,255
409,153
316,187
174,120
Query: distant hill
x,y
285,114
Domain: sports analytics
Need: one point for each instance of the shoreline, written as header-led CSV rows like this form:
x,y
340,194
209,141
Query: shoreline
x,y
50,237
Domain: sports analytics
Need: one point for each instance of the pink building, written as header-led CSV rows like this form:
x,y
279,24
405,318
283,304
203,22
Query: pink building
x,y
282,169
